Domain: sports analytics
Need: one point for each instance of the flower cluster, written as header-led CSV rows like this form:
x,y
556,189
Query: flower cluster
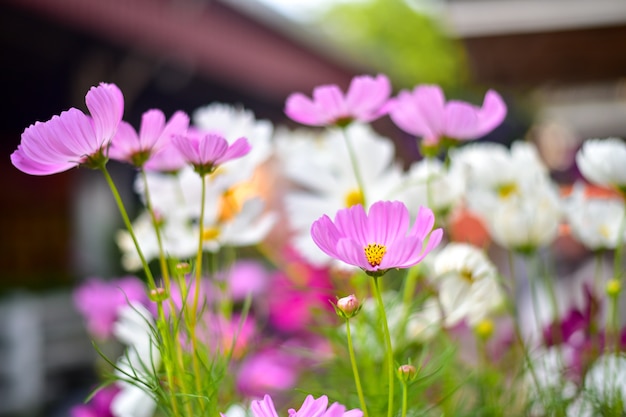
x,y
308,273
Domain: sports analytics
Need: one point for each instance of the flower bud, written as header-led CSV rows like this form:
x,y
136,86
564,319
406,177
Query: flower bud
x,y
484,329
347,307
183,268
613,288
158,295
407,372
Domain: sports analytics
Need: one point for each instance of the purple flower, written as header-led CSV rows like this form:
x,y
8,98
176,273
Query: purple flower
x,y
99,406
270,370
424,112
72,138
364,101
99,302
205,151
154,134
311,407
378,241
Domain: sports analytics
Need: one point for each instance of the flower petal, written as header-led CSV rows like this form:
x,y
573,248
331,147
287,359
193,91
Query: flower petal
x,y
106,106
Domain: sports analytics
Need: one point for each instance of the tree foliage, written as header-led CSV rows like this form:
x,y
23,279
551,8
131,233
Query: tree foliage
x,y
394,38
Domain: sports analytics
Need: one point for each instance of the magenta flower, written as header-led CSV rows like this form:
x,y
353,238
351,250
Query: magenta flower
x,y
378,241
72,138
424,112
99,302
364,101
154,134
99,405
206,151
311,407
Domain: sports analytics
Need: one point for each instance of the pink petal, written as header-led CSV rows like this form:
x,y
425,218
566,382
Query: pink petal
x,y
263,408
152,125
465,121
492,113
387,221
177,125
124,143
301,109
325,235
106,106
352,253
239,148
329,103
423,223
31,167
352,223
366,96
312,407
211,148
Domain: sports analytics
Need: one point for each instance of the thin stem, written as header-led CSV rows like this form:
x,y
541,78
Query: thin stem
x,y
129,226
355,371
193,316
355,166
617,261
157,231
405,398
388,347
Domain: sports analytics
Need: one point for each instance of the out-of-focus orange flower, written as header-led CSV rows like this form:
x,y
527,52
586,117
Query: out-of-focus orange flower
x,y
468,227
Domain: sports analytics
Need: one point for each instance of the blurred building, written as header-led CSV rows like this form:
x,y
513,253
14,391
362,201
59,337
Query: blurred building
x,y
566,56
168,54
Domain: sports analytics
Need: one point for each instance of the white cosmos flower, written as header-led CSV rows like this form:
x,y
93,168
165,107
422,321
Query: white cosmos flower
x,y
179,234
429,183
528,220
234,216
142,358
603,162
324,180
547,377
468,284
604,388
594,222
233,123
512,192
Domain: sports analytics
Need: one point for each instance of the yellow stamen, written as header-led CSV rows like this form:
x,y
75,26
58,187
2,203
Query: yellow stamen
x,y
467,275
353,197
507,190
210,233
374,253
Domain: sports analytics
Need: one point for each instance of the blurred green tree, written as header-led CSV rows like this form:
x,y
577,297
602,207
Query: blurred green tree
x,y
396,38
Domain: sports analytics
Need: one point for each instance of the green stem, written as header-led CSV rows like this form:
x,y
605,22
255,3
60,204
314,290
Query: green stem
x,y
193,316
405,398
388,347
355,167
617,261
157,231
129,226
355,371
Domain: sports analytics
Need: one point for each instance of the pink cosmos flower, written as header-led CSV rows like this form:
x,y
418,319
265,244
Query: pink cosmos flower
x,y
271,370
205,151
99,301
72,138
311,407
99,405
364,101
424,112
377,241
154,134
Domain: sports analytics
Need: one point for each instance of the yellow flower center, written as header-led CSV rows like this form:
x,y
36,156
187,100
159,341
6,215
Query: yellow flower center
x,y
210,233
353,197
467,275
507,190
374,253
